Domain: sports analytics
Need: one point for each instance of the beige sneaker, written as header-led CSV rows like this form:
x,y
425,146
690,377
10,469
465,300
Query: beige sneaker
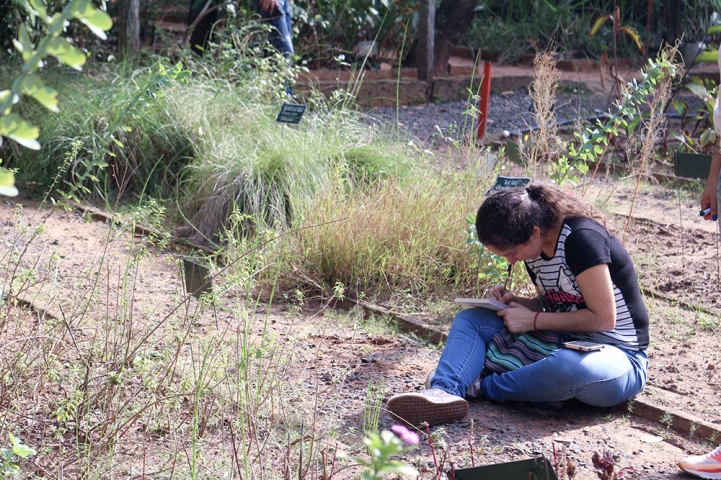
x,y
432,406
429,377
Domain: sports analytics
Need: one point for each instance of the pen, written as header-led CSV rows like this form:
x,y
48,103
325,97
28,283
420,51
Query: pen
x,y
508,275
705,211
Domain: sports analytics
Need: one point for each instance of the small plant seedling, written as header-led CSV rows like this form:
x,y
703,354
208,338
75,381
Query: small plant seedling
x,y
10,468
372,406
630,405
667,420
707,322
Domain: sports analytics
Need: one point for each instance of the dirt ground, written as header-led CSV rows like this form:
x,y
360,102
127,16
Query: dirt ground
x,y
342,355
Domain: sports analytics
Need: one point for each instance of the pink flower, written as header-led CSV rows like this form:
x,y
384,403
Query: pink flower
x,y
411,438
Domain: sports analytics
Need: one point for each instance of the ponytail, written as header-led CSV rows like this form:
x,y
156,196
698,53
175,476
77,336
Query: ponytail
x,y
507,218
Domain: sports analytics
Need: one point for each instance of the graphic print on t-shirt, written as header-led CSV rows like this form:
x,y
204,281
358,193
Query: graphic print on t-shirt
x,y
562,301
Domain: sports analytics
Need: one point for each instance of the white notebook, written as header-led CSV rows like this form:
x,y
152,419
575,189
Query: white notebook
x,y
487,303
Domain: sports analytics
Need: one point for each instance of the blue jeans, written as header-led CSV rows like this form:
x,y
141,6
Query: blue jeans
x,y
602,378
281,36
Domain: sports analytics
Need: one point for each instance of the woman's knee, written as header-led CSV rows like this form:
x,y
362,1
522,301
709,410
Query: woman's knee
x,y
479,317
607,379
481,321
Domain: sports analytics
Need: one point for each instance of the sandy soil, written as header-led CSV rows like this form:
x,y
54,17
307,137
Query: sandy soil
x,y
340,355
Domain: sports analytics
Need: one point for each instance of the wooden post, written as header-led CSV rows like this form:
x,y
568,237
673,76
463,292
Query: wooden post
x,y
426,33
485,98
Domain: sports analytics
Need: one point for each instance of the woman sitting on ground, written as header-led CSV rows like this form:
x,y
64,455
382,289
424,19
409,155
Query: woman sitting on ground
x,y
586,276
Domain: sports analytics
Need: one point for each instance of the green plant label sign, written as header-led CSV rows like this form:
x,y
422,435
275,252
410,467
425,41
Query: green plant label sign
x,y
503,183
290,113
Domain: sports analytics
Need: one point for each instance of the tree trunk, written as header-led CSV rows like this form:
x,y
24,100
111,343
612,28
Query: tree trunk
x,y
201,33
129,28
673,11
426,35
453,19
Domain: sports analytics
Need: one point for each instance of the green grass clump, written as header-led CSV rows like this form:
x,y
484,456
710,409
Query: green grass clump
x,y
118,123
270,172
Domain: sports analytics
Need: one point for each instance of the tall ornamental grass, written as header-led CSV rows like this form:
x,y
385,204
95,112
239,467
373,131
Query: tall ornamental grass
x,y
269,172
374,214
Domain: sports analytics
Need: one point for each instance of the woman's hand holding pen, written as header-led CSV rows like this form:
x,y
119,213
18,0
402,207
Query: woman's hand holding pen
x,y
499,292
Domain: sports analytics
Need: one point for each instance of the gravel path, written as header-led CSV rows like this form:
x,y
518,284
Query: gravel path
x,y
509,111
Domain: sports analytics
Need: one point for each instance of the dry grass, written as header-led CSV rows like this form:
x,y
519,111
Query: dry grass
x,y
544,143
403,236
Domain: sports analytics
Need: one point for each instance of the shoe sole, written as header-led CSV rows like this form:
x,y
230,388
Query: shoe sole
x,y
707,475
413,409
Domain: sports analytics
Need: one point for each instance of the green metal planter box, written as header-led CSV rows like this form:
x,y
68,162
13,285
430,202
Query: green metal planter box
x,y
197,278
691,165
538,468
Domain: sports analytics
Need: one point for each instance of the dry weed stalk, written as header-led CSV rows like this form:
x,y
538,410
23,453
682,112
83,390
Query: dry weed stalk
x,y
545,142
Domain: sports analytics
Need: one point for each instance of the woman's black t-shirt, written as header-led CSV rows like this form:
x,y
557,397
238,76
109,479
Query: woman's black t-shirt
x,y
582,244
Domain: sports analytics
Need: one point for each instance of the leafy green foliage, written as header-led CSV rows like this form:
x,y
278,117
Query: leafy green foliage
x,y
491,268
382,448
7,183
9,467
52,43
514,29
336,26
33,55
592,142
697,133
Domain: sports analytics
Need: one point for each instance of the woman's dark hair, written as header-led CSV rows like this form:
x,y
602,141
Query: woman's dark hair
x,y
506,218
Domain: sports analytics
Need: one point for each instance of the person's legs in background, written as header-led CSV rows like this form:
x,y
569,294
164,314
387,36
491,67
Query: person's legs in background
x,y
281,35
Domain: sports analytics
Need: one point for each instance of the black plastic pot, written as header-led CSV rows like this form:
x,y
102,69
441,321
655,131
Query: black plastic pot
x,y
538,468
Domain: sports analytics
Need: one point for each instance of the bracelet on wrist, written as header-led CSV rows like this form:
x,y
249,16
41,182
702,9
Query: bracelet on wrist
x,y
535,320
